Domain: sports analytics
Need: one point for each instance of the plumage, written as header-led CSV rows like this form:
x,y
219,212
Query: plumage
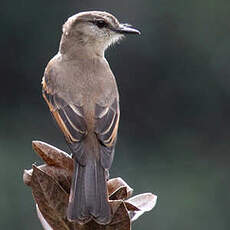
x,y
81,92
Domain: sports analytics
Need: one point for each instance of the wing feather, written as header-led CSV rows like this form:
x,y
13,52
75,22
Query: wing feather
x,y
69,117
107,120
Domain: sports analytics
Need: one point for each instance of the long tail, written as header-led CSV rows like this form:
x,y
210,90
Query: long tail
x,y
88,195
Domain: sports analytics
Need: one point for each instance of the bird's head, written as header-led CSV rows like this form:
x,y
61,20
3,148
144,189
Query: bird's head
x,y
95,30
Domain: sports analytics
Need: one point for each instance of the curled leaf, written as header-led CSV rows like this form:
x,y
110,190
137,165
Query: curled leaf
x,y
52,155
27,176
119,194
116,183
120,218
144,202
51,183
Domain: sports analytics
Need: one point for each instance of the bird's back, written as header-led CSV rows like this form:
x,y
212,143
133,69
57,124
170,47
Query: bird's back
x,y
82,81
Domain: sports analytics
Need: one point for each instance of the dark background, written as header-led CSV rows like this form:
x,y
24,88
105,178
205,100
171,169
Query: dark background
x,y
175,111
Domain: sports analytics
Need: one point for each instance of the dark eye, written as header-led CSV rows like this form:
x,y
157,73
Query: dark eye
x,y
100,23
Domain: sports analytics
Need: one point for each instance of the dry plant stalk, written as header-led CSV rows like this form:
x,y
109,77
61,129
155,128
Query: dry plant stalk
x,y
50,185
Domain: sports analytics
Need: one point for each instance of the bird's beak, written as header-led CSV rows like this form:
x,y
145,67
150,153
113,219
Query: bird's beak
x,y
127,29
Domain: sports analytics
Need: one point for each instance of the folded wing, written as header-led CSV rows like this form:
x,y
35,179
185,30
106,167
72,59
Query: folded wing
x,y
107,121
70,119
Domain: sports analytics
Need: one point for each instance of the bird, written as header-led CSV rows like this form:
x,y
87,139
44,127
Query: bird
x,y
82,95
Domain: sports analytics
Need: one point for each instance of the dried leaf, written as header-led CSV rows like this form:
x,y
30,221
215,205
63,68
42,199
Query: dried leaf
x,y
120,219
144,202
131,207
119,194
115,183
52,155
62,176
51,199
51,183
44,223
27,176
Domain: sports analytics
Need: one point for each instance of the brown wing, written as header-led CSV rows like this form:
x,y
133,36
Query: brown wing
x,y
107,121
70,119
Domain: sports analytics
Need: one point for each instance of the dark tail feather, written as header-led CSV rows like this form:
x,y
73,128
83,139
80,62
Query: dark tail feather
x,y
88,195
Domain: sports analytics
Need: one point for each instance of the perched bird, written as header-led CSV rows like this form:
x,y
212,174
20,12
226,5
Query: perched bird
x,y
81,92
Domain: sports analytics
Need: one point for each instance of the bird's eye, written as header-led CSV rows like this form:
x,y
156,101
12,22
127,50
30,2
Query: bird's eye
x,y
100,23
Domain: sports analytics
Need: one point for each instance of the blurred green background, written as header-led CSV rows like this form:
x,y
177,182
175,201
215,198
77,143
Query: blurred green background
x,y
174,81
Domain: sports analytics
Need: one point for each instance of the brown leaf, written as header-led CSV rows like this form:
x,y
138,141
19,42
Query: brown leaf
x,y
27,176
115,183
62,176
119,194
120,219
51,183
52,155
51,198
44,223
131,207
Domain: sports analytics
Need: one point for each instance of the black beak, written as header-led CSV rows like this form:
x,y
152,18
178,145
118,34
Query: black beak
x,y
127,29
